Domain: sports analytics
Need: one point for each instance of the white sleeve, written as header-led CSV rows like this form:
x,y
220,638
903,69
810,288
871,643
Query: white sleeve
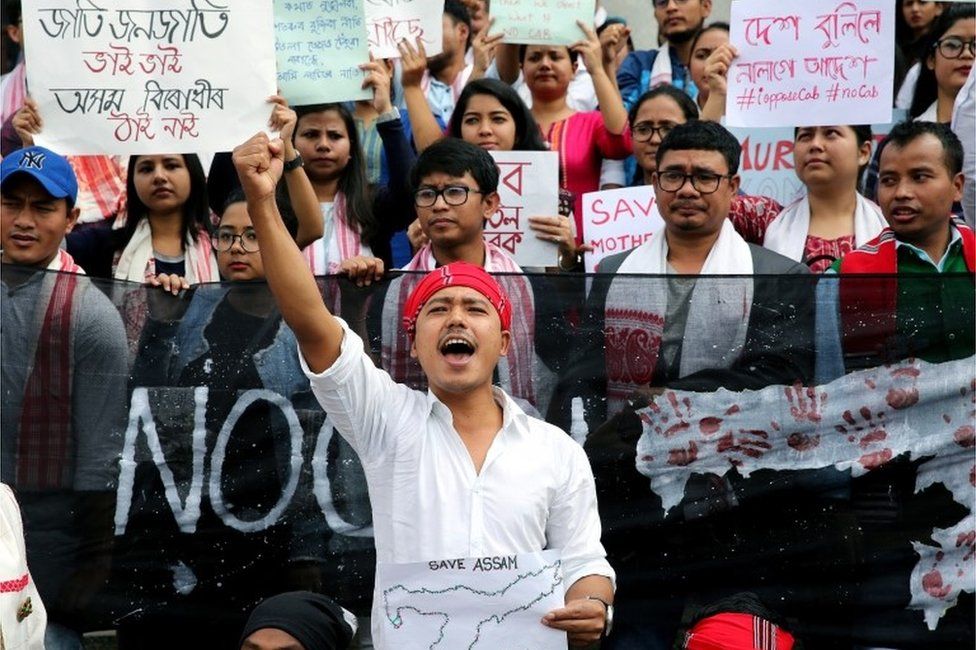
x,y
964,126
613,172
574,522
364,404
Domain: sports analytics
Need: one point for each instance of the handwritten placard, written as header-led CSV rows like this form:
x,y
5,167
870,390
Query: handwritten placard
x,y
319,45
615,221
390,21
811,63
127,77
541,22
528,184
491,602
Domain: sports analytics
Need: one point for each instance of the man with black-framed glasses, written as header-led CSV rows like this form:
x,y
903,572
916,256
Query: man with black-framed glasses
x,y
698,335
716,312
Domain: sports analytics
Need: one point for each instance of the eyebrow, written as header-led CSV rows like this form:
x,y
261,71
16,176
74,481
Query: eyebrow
x,y
911,170
467,300
694,170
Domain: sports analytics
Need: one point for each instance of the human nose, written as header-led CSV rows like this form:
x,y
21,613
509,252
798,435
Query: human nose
x,y
237,244
687,188
484,127
440,202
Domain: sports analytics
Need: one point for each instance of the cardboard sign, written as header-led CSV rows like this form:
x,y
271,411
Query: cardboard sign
x,y
390,21
493,601
319,46
528,184
129,77
541,22
615,221
813,63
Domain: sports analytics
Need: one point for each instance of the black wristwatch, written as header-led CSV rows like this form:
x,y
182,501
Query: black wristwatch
x,y
294,163
608,620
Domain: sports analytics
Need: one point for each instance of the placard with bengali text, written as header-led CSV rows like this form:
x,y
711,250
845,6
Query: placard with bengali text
x,y
319,45
813,63
130,77
528,184
390,21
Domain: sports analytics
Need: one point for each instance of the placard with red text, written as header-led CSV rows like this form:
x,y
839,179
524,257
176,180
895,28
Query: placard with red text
x,y
615,221
140,76
390,21
811,63
528,184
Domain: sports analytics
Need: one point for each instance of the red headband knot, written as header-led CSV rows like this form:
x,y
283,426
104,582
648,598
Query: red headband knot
x,y
737,632
456,274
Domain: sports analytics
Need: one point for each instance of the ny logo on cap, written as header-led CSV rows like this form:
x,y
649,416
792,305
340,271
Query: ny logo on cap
x,y
33,159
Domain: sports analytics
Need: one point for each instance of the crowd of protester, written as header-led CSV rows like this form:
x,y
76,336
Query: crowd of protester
x,y
404,182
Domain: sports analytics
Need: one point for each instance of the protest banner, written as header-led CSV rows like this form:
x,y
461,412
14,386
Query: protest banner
x,y
390,21
128,77
541,22
494,601
615,221
527,185
319,45
818,62
847,505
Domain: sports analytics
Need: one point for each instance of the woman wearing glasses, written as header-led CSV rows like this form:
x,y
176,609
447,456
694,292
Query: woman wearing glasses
x,y
950,53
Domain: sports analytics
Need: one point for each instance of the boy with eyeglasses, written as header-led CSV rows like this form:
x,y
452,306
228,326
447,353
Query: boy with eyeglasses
x,y
683,326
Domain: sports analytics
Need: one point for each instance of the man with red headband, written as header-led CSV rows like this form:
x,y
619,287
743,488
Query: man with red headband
x,y
514,483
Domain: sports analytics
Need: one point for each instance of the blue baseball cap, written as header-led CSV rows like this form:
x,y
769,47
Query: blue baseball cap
x,y
52,171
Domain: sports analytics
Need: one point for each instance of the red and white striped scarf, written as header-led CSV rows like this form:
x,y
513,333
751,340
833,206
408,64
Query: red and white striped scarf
x,y
347,238
516,371
135,263
44,443
101,186
14,90
64,262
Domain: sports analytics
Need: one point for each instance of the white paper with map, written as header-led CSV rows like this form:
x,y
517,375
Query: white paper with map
x,y
471,603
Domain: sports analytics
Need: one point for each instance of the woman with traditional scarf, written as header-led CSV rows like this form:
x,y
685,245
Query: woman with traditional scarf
x,y
831,218
327,144
162,230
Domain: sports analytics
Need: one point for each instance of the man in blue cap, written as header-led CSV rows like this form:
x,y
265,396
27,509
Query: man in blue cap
x,y
39,190
64,390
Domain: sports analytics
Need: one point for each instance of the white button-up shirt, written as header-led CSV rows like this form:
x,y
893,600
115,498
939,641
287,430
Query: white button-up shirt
x,y
535,490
